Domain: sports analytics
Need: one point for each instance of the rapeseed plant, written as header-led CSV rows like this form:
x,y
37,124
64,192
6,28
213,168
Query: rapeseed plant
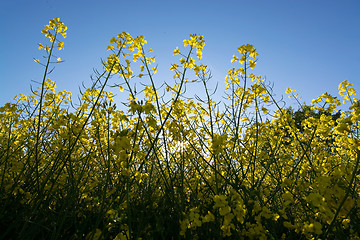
x,y
175,167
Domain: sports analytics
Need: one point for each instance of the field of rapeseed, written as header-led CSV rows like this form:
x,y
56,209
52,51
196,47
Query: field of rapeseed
x,y
166,166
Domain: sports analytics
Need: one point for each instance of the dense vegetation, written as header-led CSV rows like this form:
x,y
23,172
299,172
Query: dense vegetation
x,y
163,165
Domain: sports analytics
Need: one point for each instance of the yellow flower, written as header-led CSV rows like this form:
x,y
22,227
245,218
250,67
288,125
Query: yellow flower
x,y
60,45
265,110
209,217
174,67
199,54
252,64
224,210
243,59
112,40
234,58
110,48
253,53
176,51
313,227
59,59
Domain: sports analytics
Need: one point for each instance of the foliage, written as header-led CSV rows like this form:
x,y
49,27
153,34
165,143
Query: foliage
x,y
167,166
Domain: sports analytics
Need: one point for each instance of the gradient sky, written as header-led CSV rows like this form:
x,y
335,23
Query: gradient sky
x,y
308,45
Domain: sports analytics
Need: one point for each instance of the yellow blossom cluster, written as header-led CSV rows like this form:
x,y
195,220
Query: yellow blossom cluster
x,y
51,31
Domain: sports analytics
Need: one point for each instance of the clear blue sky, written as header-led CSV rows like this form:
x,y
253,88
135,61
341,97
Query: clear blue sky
x,y
308,45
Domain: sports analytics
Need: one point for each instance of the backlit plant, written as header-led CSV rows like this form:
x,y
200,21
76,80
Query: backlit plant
x,y
166,165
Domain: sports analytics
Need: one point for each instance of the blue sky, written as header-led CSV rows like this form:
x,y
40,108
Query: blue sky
x,y
308,45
